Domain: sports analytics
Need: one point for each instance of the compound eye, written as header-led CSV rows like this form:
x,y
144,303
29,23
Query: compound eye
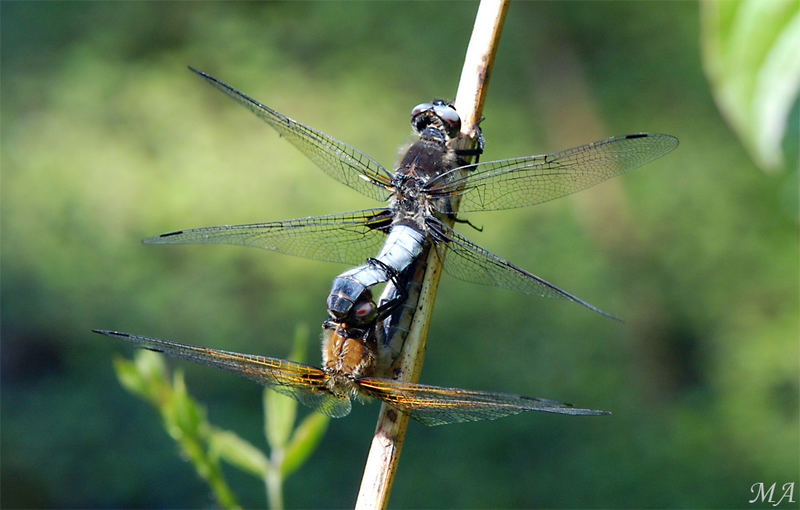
x,y
364,309
450,117
422,107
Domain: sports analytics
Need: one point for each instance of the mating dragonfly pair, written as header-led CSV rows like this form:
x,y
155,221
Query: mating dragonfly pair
x,y
431,183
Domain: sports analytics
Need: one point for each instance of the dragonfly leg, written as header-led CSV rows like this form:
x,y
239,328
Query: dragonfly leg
x,y
478,150
437,230
389,306
459,220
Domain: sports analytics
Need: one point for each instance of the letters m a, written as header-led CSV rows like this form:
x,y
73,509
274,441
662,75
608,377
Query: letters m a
x,y
767,495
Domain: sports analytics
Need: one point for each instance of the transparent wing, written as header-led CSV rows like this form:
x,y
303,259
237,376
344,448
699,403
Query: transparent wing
x,y
302,382
470,262
337,159
433,405
347,238
529,180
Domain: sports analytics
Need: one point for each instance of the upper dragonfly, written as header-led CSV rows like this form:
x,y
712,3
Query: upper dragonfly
x,y
431,182
352,368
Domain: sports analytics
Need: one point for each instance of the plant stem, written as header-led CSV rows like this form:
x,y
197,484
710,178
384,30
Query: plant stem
x,y
273,480
390,430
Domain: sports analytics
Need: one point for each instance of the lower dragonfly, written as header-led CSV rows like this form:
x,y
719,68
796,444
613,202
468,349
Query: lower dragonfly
x,y
351,370
431,179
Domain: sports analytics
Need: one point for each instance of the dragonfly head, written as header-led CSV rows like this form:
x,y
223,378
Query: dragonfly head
x,y
342,308
365,310
437,116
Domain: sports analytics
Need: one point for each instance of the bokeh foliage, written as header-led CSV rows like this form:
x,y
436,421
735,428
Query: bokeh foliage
x,y
751,58
106,139
205,445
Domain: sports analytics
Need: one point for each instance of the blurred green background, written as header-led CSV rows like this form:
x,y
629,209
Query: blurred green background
x,y
107,138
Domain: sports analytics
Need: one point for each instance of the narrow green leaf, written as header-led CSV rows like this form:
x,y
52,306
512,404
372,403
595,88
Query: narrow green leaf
x,y
750,57
304,441
129,377
279,416
239,452
144,376
151,366
188,414
279,410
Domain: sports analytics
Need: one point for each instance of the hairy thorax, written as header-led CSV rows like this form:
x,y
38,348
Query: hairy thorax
x,y
347,357
424,160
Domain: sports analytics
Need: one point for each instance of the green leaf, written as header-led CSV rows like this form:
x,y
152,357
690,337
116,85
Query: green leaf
x,y
304,441
145,376
279,415
238,451
188,415
183,418
151,366
129,377
279,410
751,58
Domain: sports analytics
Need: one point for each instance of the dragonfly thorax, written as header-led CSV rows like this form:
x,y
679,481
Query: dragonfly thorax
x,y
409,198
426,159
347,354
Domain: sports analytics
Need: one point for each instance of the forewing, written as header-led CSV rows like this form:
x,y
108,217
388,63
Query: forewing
x,y
433,405
347,238
470,262
302,382
529,180
337,159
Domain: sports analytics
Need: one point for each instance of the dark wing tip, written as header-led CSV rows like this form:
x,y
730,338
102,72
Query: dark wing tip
x,y
673,140
157,239
109,332
126,336
211,79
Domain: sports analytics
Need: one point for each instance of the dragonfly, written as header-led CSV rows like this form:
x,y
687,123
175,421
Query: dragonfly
x,y
432,183
351,371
